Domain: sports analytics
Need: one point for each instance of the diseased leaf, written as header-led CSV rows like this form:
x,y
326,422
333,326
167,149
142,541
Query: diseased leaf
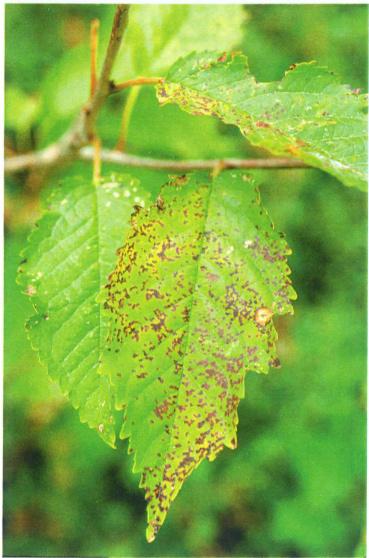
x,y
308,115
198,280
66,262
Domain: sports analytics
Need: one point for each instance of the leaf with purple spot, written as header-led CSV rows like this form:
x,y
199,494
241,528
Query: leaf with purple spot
x,y
191,301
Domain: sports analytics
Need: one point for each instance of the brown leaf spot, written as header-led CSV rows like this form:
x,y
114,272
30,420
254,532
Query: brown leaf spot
x,y
263,316
162,409
31,290
152,293
293,149
222,58
261,124
160,203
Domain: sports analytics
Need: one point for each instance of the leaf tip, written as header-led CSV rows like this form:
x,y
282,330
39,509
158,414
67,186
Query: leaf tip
x,y
109,438
150,534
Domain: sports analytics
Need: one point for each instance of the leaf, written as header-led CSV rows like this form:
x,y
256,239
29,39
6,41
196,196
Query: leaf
x,y
66,262
158,34
155,37
34,387
197,282
20,109
63,92
181,134
308,115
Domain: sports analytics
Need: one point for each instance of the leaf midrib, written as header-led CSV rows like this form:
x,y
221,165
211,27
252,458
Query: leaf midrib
x,y
189,328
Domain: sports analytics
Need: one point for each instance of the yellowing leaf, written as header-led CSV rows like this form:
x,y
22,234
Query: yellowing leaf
x,y
191,299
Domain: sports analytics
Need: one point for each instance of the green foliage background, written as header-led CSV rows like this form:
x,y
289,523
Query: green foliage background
x,y
295,485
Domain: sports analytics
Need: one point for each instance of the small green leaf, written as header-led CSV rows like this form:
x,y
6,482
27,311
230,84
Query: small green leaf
x,y
192,297
66,262
308,115
21,110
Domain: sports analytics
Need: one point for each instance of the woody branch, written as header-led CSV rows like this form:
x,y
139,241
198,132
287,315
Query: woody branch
x,y
72,145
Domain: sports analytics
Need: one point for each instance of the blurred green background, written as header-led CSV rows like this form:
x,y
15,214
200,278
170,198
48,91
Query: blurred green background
x,y
295,486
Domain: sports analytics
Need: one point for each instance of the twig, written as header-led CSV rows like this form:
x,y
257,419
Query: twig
x,y
126,159
21,162
50,156
81,131
71,145
94,42
94,36
115,87
42,158
96,160
104,85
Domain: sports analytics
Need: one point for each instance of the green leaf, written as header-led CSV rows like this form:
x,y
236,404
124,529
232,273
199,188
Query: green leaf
x,y
158,34
20,109
155,37
197,281
181,134
66,262
307,115
63,92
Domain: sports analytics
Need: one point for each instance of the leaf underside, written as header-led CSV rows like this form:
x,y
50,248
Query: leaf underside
x,y
191,300
66,262
308,115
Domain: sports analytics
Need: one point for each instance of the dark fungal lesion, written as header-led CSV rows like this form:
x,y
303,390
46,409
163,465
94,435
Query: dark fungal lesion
x,y
160,203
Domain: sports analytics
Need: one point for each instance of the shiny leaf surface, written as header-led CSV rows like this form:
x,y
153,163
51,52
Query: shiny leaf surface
x,y
65,264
